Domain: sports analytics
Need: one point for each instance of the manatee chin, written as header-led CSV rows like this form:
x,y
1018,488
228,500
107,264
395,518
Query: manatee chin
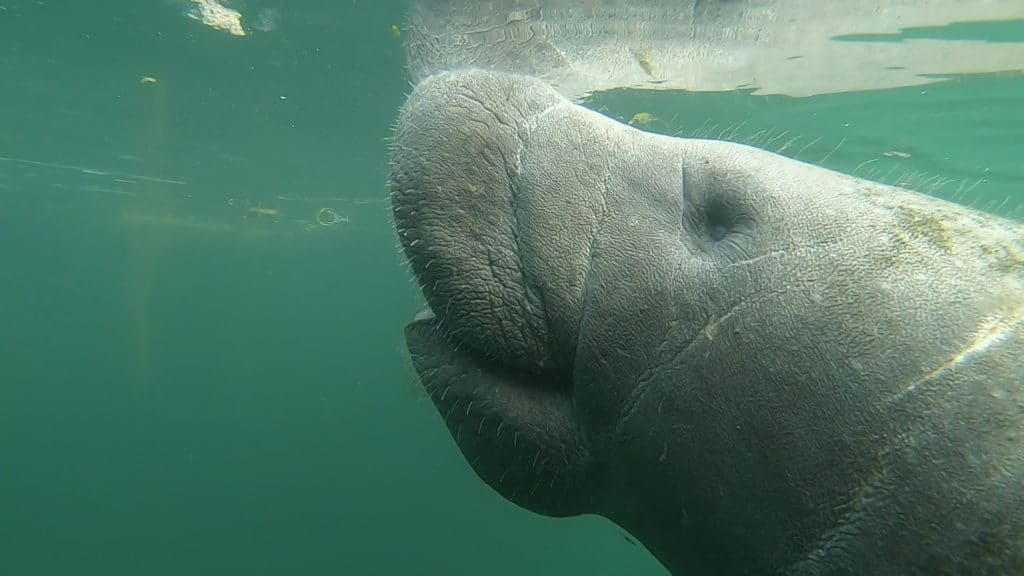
x,y
517,431
754,365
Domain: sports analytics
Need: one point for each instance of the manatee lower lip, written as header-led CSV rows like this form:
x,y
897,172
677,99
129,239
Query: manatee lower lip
x,y
518,433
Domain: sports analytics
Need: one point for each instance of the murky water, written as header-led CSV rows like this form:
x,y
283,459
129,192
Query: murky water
x,y
201,365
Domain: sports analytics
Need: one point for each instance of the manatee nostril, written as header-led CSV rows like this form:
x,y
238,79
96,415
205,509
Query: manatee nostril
x,y
717,228
717,231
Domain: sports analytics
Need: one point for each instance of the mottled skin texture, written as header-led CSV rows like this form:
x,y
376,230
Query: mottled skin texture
x,y
754,365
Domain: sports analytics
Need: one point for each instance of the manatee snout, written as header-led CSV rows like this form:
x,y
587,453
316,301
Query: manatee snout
x,y
471,226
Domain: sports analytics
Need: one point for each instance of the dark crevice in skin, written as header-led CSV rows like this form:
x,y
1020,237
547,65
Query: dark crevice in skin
x,y
593,252
529,292
649,375
532,293
664,356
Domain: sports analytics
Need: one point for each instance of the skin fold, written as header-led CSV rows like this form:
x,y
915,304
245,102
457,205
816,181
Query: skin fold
x,y
753,365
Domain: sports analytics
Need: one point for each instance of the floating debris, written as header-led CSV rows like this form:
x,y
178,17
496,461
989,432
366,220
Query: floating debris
x,y
641,118
328,217
260,211
220,15
216,15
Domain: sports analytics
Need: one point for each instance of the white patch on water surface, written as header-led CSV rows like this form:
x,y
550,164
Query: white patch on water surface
x,y
792,47
215,15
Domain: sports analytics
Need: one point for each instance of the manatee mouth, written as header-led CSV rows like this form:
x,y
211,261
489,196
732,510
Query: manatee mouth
x,y
455,374
516,428
469,234
478,277
496,350
503,339
487,316
483,352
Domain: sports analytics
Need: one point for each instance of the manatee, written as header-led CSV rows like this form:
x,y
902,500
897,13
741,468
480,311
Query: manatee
x,y
752,364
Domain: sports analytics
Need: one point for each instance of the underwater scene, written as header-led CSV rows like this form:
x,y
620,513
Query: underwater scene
x,y
203,298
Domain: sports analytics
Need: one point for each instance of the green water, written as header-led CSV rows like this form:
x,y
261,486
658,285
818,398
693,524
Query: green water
x,y
198,377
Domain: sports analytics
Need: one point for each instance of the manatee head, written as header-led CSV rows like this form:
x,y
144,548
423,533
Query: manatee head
x,y
748,362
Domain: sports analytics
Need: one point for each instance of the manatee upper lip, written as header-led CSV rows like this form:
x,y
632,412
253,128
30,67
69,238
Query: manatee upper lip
x,y
470,216
477,291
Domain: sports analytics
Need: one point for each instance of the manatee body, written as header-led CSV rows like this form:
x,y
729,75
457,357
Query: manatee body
x,y
754,365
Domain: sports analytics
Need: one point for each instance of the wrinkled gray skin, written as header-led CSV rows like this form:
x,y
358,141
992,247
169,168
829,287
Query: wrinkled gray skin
x,y
754,365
